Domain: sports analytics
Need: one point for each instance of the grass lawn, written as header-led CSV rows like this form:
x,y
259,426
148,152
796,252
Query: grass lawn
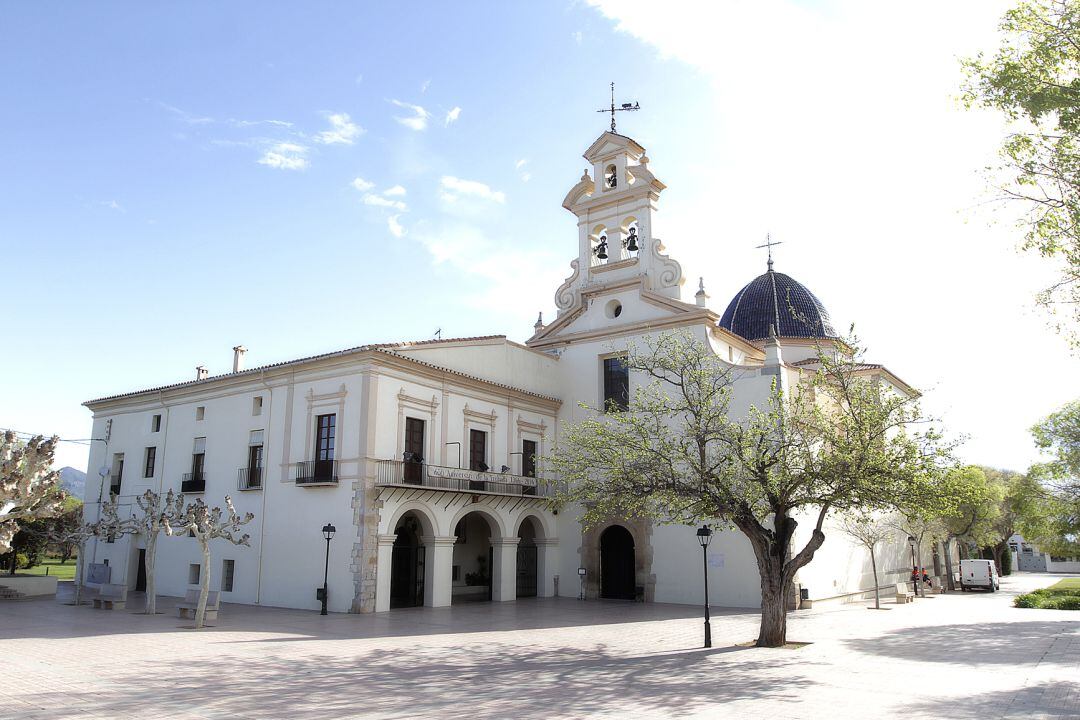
x,y
1062,595
54,568
1067,584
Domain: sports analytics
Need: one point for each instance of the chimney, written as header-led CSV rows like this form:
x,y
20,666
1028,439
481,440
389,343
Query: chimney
x,y
238,358
201,372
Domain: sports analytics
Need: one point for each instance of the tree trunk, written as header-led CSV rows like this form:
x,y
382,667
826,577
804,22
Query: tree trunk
x,y
82,569
996,552
877,591
773,630
204,589
948,564
151,552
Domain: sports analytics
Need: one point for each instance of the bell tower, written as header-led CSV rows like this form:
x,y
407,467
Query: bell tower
x,y
614,202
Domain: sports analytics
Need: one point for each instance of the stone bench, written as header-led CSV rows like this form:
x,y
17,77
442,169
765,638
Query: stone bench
x,y
190,605
111,597
903,593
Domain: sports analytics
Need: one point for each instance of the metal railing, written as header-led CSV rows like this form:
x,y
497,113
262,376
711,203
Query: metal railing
x,y
414,474
249,478
193,482
114,485
317,472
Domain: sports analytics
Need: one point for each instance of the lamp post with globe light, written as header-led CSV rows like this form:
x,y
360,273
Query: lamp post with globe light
x,y
704,536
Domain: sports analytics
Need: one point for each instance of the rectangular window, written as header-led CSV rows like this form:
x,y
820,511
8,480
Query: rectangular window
x,y
227,568
255,459
198,458
616,385
324,437
414,450
478,450
528,458
200,412
155,423
193,573
117,473
148,466
256,405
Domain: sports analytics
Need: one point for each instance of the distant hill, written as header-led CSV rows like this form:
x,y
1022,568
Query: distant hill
x,y
73,481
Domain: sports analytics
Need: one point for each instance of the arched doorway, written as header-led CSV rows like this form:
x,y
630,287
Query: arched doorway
x,y
617,564
472,564
407,565
526,558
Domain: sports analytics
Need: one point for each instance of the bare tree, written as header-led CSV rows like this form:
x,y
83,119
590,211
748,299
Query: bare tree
x,y
208,523
29,488
868,532
925,528
153,518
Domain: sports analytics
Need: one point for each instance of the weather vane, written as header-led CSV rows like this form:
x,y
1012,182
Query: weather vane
x,y
769,244
613,109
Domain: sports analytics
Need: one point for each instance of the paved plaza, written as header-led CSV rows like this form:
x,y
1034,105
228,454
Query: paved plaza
x,y
967,655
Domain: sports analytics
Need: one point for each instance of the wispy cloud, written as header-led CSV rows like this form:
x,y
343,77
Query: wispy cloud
x,y
343,131
419,118
380,201
524,174
193,119
285,156
424,86
112,205
452,188
396,191
577,36
395,227
453,115
361,184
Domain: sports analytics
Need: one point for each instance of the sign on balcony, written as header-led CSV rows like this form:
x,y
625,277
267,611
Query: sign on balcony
x,y
445,473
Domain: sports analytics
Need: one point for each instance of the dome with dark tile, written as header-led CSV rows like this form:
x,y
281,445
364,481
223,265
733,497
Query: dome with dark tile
x,y
777,300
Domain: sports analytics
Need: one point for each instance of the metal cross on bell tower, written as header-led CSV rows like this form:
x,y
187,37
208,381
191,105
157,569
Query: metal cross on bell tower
x,y
769,244
625,107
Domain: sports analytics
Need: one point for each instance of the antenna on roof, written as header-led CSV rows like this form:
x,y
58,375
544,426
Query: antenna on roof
x,y
438,333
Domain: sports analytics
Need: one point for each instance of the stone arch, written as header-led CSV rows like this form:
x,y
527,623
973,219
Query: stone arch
x,y
424,513
497,524
641,531
545,528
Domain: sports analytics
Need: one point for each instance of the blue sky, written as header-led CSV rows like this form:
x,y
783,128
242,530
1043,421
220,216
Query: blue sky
x,y
181,179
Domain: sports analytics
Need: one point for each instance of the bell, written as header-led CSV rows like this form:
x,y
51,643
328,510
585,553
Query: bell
x,y
601,249
631,242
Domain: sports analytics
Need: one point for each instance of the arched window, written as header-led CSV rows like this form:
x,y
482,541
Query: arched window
x,y
599,240
611,177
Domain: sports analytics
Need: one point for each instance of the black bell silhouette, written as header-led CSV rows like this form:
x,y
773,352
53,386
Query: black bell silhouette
x,y
601,249
631,242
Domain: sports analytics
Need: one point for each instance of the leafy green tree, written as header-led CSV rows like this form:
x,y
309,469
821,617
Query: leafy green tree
x,y
844,439
1058,435
971,520
1034,79
60,529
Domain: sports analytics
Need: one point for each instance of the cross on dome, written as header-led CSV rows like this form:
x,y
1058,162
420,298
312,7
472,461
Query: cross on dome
x,y
770,244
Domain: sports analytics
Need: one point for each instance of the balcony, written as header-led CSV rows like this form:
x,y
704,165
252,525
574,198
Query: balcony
x,y
317,472
437,477
249,478
114,485
193,482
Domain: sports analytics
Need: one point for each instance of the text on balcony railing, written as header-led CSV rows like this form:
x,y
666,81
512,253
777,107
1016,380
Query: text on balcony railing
x,y
396,472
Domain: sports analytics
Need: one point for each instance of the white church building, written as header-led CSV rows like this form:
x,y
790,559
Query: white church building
x,y
423,454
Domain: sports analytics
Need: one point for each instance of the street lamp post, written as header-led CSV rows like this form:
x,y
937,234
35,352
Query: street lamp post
x,y
704,536
914,565
328,533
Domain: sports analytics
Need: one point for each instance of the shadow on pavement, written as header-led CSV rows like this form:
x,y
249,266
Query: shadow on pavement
x,y
1045,700
497,680
982,644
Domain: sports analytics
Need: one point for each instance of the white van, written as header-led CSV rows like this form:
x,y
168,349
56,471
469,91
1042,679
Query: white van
x,y
979,574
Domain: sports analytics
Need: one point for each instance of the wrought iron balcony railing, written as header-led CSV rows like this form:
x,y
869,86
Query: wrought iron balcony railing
x,y
249,478
317,472
415,474
193,482
114,485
